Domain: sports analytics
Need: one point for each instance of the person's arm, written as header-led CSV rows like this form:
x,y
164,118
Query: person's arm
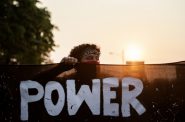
x,y
51,73
66,64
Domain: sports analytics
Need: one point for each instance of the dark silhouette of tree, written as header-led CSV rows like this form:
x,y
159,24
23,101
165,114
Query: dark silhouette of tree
x,y
25,32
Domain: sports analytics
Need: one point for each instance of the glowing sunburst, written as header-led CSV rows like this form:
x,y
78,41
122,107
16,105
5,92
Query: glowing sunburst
x,y
133,53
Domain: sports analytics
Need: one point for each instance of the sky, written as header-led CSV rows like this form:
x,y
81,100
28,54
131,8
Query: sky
x,y
148,30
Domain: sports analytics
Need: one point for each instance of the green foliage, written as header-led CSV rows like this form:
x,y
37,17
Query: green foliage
x,y
25,32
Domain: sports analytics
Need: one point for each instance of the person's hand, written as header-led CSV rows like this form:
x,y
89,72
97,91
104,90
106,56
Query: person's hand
x,y
69,60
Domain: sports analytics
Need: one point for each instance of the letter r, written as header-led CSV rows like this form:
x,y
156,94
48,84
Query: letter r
x,y
129,97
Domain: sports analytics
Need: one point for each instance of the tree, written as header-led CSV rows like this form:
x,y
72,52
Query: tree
x,y
25,32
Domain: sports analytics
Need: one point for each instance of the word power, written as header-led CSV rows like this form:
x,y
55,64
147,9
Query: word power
x,y
91,96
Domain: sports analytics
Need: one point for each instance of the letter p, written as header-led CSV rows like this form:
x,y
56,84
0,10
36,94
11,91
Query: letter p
x,y
26,98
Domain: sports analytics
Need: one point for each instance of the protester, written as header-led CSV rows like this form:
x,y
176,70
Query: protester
x,y
83,53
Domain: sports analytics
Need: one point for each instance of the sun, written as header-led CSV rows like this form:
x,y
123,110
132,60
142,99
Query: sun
x,y
133,53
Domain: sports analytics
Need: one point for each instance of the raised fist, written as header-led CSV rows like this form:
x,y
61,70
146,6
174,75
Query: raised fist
x,y
69,60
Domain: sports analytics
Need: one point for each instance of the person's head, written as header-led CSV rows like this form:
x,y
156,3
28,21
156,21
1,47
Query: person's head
x,y
86,53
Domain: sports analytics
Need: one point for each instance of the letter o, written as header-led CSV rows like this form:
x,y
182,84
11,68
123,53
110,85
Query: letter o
x,y
52,109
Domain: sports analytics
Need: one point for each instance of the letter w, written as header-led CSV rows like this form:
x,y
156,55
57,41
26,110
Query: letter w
x,y
92,99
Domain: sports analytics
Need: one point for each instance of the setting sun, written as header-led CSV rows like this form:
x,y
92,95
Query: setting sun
x,y
133,53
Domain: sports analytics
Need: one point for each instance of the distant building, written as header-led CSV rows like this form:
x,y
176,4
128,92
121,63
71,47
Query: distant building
x,y
134,62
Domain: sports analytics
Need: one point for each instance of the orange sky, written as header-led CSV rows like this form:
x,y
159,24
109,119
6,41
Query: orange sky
x,y
155,27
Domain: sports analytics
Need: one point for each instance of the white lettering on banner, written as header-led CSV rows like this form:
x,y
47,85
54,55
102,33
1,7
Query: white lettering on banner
x,y
110,109
52,109
26,98
129,97
76,98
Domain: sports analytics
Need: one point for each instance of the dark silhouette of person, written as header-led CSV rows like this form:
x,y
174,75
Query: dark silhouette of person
x,y
82,54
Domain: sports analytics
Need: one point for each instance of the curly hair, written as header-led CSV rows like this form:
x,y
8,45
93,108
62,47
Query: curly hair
x,y
78,51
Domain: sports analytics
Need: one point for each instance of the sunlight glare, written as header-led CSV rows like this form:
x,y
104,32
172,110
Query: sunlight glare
x,y
133,53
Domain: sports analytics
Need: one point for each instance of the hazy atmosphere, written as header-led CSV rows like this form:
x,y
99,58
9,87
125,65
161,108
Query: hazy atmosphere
x,y
149,30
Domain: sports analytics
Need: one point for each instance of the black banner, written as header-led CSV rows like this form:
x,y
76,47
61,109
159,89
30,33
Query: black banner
x,y
96,93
